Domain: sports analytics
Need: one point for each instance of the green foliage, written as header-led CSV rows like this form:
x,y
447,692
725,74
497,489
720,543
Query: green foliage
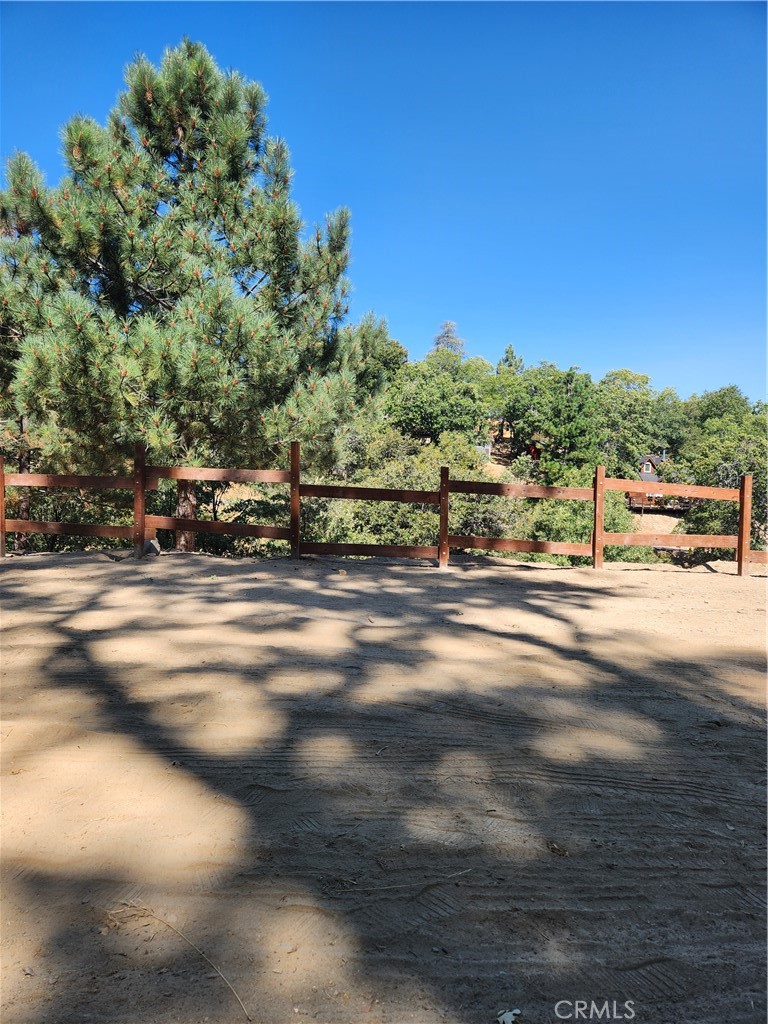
x,y
71,506
511,361
376,456
719,450
382,356
164,292
725,402
555,410
498,388
625,421
437,395
670,422
573,521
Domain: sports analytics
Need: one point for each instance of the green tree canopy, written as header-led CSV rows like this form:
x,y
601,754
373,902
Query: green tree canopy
x,y
725,438
434,396
510,362
727,401
383,357
165,291
625,409
555,410
670,420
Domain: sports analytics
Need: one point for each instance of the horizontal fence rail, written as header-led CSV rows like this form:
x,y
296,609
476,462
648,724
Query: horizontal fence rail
x,y
147,478
369,494
67,529
655,540
386,550
672,490
216,526
230,476
543,547
520,490
59,480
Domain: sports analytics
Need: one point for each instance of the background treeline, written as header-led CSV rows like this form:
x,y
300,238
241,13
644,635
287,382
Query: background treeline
x,y
168,292
544,425
541,423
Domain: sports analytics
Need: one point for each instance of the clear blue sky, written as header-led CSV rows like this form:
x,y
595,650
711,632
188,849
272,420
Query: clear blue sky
x,y
584,180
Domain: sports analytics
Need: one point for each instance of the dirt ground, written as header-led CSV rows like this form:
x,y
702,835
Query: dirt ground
x,y
649,522
377,792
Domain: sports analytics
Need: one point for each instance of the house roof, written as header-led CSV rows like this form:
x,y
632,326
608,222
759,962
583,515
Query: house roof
x,y
655,460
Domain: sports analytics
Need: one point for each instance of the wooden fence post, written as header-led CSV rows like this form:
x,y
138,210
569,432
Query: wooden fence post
x,y
139,498
597,533
745,524
443,551
2,507
295,499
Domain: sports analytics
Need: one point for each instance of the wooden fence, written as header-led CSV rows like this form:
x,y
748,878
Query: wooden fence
x,y
147,478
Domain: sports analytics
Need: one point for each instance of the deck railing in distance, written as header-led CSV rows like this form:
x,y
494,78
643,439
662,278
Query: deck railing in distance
x,y
148,478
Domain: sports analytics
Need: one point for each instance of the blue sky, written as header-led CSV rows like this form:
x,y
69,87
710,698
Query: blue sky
x,y
585,181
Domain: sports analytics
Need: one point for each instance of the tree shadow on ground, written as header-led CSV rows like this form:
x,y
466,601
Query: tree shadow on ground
x,y
388,796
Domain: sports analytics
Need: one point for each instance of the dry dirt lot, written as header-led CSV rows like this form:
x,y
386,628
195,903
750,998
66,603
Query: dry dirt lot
x,y
372,792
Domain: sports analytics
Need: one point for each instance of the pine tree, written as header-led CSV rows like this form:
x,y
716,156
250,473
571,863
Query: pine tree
x,y
510,362
166,291
555,410
447,340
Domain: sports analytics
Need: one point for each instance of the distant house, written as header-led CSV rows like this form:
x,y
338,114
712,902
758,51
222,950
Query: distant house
x,y
649,465
536,446
648,471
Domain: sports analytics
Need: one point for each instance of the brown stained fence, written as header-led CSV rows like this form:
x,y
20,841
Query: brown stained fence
x,y
148,477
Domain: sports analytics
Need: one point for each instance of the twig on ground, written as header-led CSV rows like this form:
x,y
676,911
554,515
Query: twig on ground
x,y
145,910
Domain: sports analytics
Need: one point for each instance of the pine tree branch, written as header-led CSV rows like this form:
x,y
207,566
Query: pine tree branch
x,y
98,267
153,296
252,289
113,190
298,296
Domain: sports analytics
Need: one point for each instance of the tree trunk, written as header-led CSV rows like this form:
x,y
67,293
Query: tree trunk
x,y
186,509
20,541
